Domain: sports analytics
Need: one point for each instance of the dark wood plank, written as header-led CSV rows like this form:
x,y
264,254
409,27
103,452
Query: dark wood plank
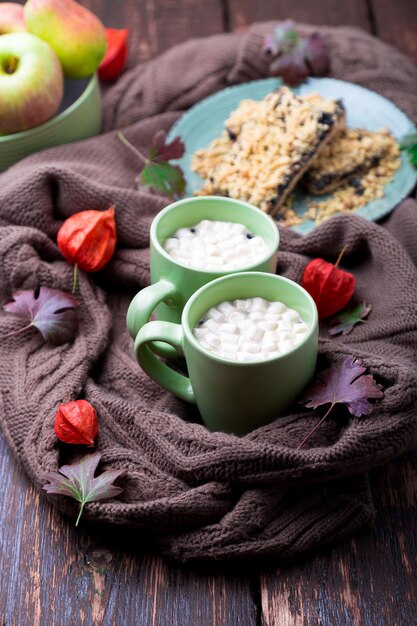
x,y
156,25
53,574
329,12
367,581
396,23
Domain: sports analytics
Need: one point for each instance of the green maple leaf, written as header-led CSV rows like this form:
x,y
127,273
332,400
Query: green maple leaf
x,y
163,177
158,173
409,144
345,322
77,481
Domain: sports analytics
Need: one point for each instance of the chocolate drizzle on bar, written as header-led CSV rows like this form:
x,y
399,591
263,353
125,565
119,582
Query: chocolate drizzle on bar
x,y
349,156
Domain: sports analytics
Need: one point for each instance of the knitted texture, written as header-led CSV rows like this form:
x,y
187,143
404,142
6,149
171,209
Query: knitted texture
x,y
204,495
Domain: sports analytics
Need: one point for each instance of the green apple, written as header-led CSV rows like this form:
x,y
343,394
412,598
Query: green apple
x,y
31,82
11,18
75,33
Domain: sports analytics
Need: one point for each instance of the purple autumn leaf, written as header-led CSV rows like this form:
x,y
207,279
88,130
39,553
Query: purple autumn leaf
x,y
316,55
291,67
293,57
51,311
77,481
282,39
344,382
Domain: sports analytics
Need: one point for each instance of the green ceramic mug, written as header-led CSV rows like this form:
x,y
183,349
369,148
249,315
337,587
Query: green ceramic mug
x,y
233,396
172,283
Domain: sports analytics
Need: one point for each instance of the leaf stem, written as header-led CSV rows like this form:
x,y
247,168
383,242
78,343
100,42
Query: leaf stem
x,y
339,258
316,427
132,148
75,279
79,514
16,332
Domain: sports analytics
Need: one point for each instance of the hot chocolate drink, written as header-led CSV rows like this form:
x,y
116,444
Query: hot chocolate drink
x,y
250,329
216,246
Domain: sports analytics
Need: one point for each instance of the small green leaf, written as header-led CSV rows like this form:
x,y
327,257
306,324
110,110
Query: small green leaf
x,y
163,177
412,153
409,144
157,172
345,322
409,140
77,481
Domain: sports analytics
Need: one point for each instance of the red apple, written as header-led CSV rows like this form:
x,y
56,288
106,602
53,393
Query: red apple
x,y
11,18
73,31
31,82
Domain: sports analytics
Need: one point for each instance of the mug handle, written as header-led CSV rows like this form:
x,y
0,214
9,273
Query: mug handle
x,y
142,307
172,334
144,303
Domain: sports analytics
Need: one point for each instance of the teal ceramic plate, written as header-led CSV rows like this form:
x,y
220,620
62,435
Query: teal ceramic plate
x,y
365,109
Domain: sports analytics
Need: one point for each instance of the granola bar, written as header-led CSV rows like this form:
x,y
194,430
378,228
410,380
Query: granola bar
x,y
353,194
267,147
344,159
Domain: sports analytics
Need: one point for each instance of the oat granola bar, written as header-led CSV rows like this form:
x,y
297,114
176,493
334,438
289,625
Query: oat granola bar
x,y
346,158
353,194
267,147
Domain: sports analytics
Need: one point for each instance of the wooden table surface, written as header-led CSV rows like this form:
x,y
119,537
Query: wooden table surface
x,y
53,574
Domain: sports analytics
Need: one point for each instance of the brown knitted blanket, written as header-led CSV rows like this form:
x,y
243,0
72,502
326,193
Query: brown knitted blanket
x,y
200,494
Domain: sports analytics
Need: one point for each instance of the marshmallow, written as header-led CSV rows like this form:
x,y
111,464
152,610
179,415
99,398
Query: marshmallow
x,y
216,245
238,331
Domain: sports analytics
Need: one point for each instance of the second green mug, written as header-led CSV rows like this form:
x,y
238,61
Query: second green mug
x,y
234,396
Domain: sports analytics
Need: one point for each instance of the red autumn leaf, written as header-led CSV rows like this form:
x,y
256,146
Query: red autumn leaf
x,y
76,422
88,239
77,481
162,151
344,382
51,311
330,287
115,58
